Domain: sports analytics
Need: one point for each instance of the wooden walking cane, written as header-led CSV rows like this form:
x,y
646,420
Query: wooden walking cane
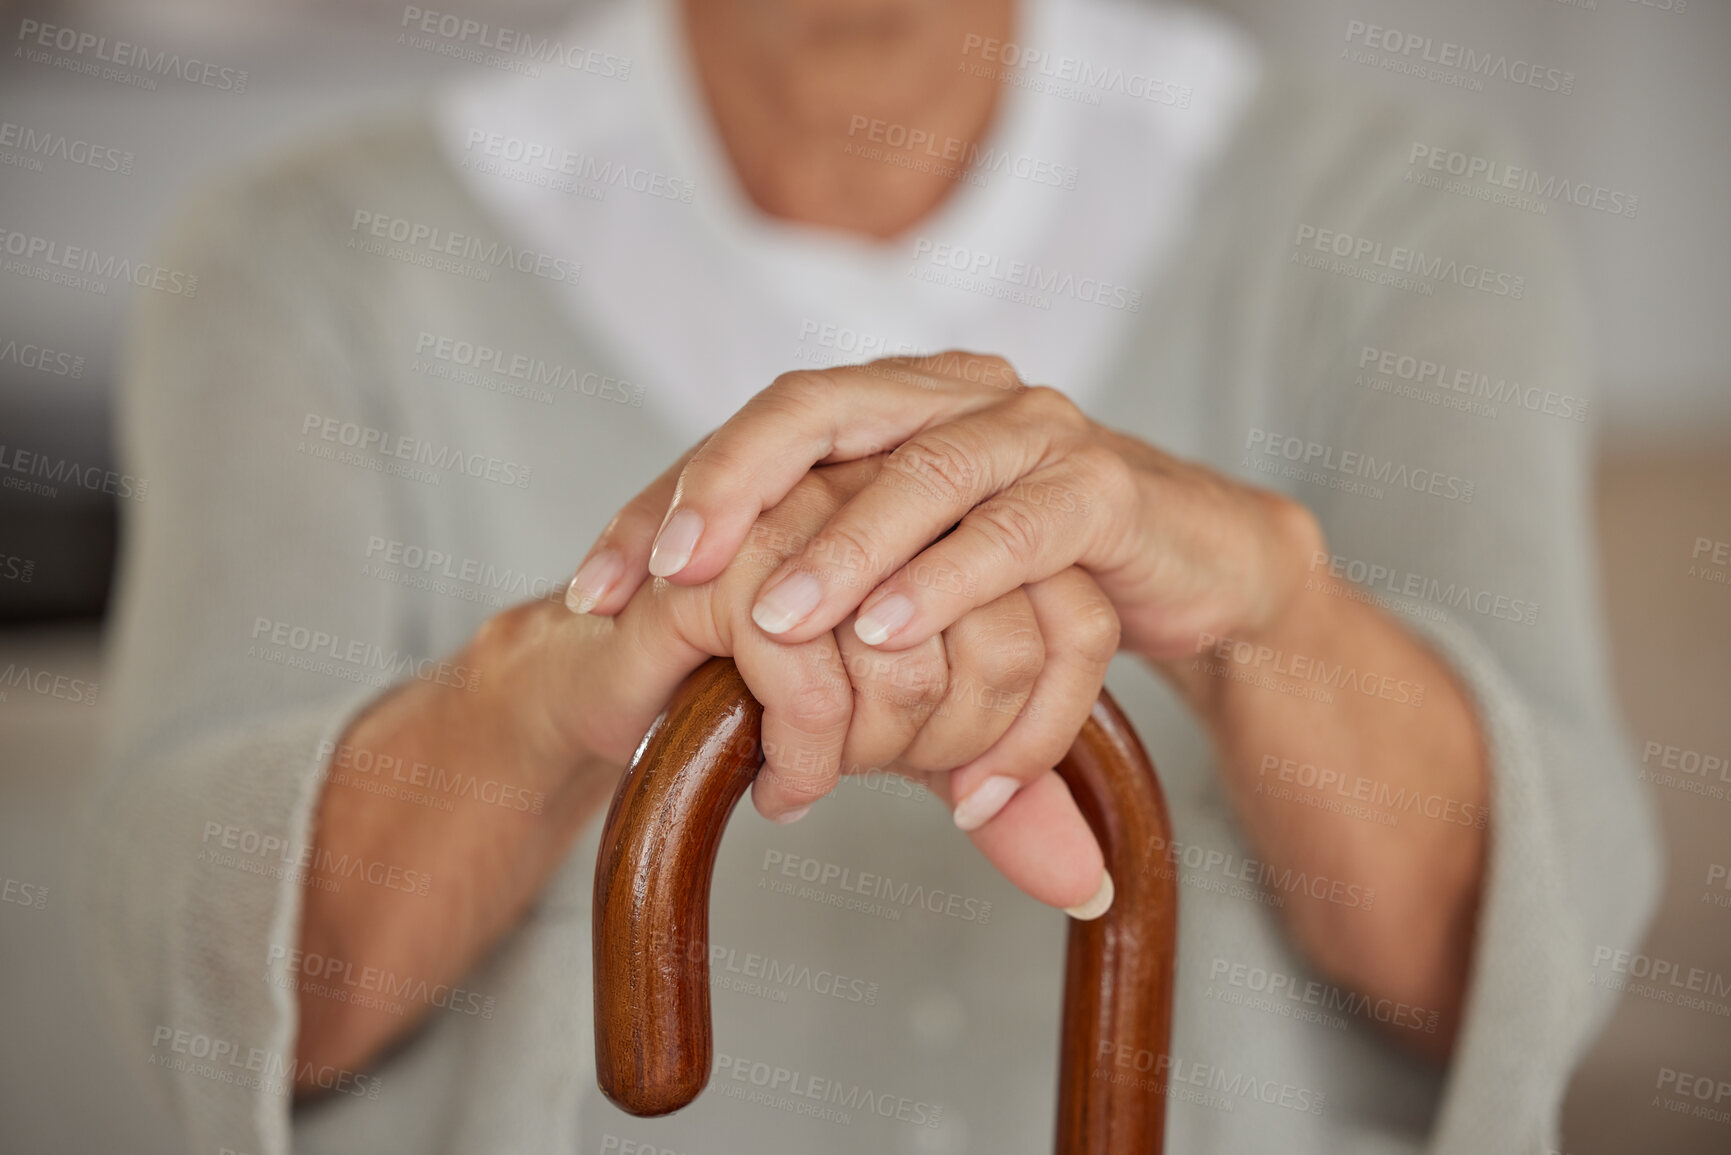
x,y
651,931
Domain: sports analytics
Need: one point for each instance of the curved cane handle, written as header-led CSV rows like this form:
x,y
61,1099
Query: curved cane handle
x,y
651,931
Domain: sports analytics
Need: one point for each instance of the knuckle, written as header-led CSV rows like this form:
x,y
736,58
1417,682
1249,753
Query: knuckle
x,y
1045,404
510,630
925,676
1296,524
799,390
692,613
845,555
775,535
937,467
1099,466
987,369
1013,528
916,679
819,705
1094,630
868,670
803,786
810,503
1012,656
717,459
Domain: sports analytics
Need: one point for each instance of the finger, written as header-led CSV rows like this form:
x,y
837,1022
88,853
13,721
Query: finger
x,y
633,660
1081,633
1079,512
927,484
1042,844
807,707
618,563
804,418
894,695
995,655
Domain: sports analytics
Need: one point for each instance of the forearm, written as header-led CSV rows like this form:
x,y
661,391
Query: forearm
x,y
498,801
1381,720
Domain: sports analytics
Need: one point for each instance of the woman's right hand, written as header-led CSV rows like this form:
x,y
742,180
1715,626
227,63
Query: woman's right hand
x,y
997,698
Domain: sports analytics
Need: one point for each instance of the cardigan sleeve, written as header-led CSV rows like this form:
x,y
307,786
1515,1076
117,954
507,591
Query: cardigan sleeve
x,y
245,639
1447,443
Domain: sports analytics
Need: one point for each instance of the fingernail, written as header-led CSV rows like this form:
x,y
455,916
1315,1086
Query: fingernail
x,y
1096,906
787,603
592,581
673,545
875,626
791,816
983,804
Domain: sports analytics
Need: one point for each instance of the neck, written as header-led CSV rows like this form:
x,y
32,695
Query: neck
x,y
815,102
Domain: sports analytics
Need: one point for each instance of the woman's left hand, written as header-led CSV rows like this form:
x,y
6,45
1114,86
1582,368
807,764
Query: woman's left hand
x,y
1030,485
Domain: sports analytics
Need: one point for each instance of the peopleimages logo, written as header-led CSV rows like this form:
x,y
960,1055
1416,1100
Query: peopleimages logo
x,y
817,1097
1471,385
388,774
1370,791
37,145
1350,469
1522,180
1378,260
1455,595
1073,70
1663,972
1024,282
85,268
433,241
46,683
562,162
273,855
467,39
1412,51
212,1057
324,971
1314,993
42,359
761,975
302,647
891,896
974,159
1164,856
1215,1086
36,37
409,450
43,475
439,571
534,372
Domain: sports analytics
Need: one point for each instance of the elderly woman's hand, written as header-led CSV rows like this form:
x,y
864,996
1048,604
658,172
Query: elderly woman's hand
x,y
990,485
1031,487
1029,483
1000,691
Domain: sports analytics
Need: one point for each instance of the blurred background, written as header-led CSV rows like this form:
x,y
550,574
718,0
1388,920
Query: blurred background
x,y
1650,117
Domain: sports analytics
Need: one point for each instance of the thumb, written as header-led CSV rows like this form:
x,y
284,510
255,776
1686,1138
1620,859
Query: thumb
x,y
1041,842
618,562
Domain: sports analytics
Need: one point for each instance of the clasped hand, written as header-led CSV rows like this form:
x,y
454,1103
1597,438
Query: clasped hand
x,y
925,565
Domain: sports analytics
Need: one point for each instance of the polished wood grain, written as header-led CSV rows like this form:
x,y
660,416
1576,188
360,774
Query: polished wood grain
x,y
653,1047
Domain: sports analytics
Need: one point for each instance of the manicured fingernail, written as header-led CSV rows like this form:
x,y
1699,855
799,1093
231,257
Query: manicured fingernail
x,y
875,626
592,581
787,603
1096,906
983,804
673,545
793,815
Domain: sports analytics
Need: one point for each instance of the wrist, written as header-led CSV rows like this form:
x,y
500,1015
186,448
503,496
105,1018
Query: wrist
x,y
1287,606
522,714
1282,613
